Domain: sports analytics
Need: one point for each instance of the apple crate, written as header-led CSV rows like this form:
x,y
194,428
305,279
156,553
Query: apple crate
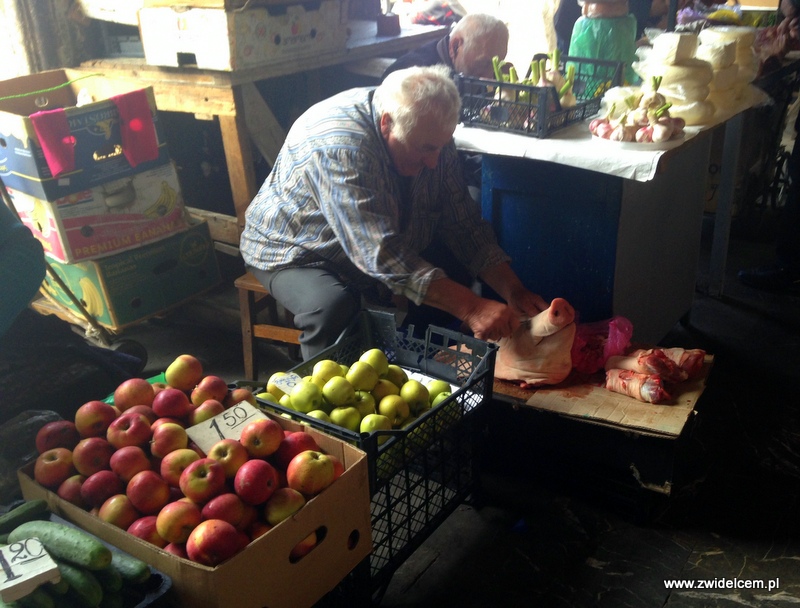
x,y
420,475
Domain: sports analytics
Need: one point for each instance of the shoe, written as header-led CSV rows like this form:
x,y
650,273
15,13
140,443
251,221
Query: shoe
x,y
772,278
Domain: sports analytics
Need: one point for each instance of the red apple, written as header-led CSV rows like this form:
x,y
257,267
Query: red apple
x,y
310,472
167,438
177,519
172,403
70,490
237,395
212,542
145,410
178,549
303,548
91,455
338,467
148,492
258,528
57,434
202,480
291,446
53,466
129,460
129,429
134,391
250,516
93,418
227,507
230,454
255,481
159,421
184,373
118,510
209,387
283,503
173,464
100,486
145,528
261,437
205,411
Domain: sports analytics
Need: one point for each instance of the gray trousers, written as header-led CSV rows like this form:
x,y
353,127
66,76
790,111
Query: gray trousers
x,y
323,306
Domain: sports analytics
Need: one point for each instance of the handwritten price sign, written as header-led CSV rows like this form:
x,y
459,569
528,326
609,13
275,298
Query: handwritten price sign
x,y
26,565
227,425
287,382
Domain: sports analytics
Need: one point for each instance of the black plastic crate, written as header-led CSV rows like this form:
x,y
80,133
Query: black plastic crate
x,y
420,475
532,110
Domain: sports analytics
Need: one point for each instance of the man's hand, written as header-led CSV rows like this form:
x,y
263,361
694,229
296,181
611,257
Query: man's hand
x,y
491,320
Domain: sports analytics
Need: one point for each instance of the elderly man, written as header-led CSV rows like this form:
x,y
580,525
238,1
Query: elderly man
x,y
468,49
365,181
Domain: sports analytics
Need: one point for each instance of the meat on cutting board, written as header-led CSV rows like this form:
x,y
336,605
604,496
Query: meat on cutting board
x,y
649,361
539,351
644,387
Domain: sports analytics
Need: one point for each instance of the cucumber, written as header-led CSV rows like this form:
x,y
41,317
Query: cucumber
x,y
59,588
3,539
27,511
83,584
133,570
110,579
65,543
113,600
38,598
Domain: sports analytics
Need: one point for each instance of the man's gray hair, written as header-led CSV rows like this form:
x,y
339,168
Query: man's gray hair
x,y
418,91
473,28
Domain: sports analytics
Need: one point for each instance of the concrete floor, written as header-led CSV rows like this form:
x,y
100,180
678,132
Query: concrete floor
x,y
558,522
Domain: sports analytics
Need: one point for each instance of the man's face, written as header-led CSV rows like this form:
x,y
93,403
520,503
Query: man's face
x,y
421,147
476,61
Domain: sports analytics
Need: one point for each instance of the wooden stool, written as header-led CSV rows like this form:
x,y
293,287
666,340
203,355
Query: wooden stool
x,y
253,298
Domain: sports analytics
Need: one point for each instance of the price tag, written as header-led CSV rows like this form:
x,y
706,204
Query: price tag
x,y
26,565
288,382
227,425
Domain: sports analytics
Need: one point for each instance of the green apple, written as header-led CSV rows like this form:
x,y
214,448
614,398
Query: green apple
x,y
384,387
397,375
267,397
306,396
437,386
440,397
345,368
395,408
365,403
339,392
324,370
273,388
286,401
320,415
362,376
346,416
376,422
416,395
377,359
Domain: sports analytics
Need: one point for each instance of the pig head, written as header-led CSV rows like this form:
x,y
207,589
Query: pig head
x,y
539,350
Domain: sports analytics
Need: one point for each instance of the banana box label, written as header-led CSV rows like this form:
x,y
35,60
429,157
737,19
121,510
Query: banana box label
x,y
115,216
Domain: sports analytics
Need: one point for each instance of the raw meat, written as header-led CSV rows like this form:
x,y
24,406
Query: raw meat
x,y
595,342
650,361
539,351
644,387
691,361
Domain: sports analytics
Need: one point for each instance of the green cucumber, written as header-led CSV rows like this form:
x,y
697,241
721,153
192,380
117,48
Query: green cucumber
x,y
59,588
27,511
133,570
38,598
110,578
65,543
83,584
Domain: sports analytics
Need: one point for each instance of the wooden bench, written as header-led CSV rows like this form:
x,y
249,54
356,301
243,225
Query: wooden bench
x,y
253,298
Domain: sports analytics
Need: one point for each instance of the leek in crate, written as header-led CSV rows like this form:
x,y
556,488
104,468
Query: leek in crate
x,y
540,104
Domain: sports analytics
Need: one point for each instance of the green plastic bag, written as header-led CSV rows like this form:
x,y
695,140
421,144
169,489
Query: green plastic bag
x,y
608,39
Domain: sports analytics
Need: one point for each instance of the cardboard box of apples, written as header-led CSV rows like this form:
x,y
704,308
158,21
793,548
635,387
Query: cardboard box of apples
x,y
237,506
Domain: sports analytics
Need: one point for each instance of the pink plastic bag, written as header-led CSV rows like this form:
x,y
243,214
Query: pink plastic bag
x,y
595,342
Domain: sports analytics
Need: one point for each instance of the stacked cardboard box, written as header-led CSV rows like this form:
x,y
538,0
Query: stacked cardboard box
x,y
88,170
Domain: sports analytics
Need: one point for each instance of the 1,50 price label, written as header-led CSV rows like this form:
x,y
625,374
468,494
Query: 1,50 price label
x,y
26,565
227,425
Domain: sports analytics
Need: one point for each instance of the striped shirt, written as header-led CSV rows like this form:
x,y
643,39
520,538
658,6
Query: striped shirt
x,y
334,200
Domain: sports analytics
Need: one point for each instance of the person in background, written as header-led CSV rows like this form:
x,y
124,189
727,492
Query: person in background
x,y
784,272
22,267
364,182
468,49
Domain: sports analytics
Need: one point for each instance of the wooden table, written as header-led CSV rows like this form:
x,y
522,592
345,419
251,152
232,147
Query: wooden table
x,y
245,118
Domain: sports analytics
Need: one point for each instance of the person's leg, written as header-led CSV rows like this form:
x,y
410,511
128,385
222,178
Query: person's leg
x,y
323,306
